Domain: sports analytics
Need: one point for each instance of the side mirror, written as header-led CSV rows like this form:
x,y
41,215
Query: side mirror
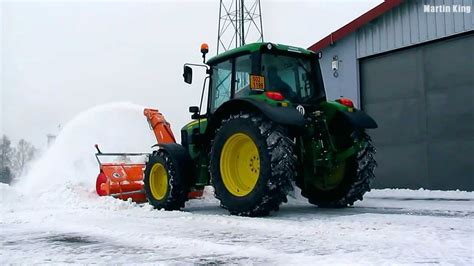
x,y
195,112
188,74
193,109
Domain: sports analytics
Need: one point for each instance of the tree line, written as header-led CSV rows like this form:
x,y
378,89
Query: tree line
x,y
14,160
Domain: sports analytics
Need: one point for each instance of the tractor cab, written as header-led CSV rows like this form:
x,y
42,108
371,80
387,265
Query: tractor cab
x,y
266,71
273,73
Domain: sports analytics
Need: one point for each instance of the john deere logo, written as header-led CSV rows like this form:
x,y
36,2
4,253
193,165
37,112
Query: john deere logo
x,y
300,109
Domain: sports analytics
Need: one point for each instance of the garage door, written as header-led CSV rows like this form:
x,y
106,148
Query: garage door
x,y
423,100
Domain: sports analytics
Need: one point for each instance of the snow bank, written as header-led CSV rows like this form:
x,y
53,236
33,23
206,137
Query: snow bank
x,y
70,161
420,194
7,194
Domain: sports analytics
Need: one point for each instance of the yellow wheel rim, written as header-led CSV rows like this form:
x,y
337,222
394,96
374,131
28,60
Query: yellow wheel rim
x,y
158,181
240,164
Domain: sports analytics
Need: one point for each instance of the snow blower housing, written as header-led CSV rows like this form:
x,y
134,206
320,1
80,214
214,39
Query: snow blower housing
x,y
121,174
266,124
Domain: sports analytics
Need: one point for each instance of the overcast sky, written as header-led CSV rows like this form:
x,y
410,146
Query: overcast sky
x,y
59,58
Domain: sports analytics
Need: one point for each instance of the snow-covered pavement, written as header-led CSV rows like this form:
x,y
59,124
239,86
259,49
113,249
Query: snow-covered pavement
x,y
52,215
389,226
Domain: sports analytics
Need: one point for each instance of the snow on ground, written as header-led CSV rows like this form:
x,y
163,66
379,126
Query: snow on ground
x,y
54,216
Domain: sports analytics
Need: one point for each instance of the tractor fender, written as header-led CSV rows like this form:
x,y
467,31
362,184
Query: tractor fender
x,y
181,159
286,116
359,119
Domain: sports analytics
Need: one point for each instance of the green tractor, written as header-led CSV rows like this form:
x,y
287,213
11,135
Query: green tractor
x,y
266,127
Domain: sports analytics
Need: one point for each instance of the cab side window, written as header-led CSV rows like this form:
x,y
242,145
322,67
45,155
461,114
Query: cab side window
x,y
243,69
222,84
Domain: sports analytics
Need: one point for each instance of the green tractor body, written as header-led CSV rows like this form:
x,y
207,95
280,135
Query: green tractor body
x,y
267,125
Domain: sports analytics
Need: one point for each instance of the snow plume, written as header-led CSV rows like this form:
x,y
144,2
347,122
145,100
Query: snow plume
x,y
70,161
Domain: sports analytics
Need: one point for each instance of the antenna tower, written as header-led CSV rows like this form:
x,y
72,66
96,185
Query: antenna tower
x,y
240,22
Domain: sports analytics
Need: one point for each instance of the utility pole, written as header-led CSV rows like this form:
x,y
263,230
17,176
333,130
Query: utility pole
x,y
240,22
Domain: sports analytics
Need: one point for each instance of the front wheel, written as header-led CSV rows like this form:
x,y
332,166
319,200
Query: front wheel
x,y
165,184
252,165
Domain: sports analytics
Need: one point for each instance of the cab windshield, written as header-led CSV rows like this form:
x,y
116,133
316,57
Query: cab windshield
x,y
297,78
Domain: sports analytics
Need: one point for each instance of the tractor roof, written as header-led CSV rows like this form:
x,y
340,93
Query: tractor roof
x,y
253,47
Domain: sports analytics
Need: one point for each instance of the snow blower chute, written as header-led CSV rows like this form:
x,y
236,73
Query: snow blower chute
x,y
121,174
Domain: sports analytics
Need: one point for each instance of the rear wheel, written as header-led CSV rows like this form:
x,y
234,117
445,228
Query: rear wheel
x,y
347,183
165,186
252,165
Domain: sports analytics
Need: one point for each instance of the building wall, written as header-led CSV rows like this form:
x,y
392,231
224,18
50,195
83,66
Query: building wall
x,y
403,26
346,83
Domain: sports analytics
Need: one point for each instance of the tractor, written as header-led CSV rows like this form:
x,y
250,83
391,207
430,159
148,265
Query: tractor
x,y
266,126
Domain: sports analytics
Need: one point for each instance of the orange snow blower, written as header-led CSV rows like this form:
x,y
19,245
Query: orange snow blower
x,y
121,174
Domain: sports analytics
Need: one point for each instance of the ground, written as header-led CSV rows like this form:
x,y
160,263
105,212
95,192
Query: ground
x,y
389,226
53,215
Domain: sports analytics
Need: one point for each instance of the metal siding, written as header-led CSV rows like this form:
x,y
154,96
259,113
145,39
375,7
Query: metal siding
x,y
440,22
405,25
359,43
422,25
415,32
369,41
376,37
469,18
398,29
408,25
459,20
390,32
384,35
449,21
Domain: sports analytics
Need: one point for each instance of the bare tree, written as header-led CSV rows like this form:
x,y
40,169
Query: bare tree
x,y
23,154
6,175
6,152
